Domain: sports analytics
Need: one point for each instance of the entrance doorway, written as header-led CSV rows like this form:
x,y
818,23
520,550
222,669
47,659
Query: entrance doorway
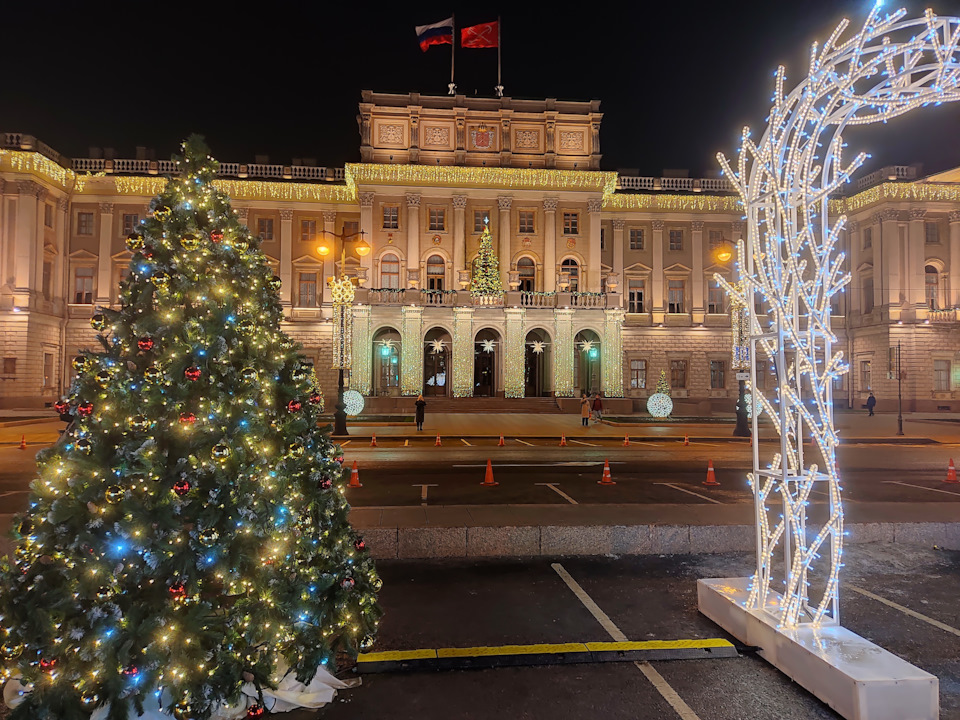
x,y
535,364
486,349
436,363
586,358
386,362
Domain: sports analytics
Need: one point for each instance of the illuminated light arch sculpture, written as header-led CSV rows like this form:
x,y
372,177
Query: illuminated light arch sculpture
x,y
890,67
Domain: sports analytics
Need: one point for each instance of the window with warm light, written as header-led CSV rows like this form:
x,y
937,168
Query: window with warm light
x,y
83,286
525,222
390,272
635,296
437,219
307,290
391,217
308,230
636,238
638,374
436,270
571,267
676,292
932,286
527,270
571,223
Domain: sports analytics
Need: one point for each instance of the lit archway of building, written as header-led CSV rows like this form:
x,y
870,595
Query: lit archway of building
x,y
536,366
436,362
386,362
587,354
487,351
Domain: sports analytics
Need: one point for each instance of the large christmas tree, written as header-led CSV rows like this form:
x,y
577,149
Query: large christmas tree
x,y
189,531
486,269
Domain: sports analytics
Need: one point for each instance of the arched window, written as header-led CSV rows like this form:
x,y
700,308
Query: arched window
x,y
436,269
528,274
572,267
390,272
932,286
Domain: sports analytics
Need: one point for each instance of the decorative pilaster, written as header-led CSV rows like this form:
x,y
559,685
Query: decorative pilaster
x,y
413,234
503,230
594,207
618,226
330,261
361,374
954,291
459,233
514,354
411,332
612,352
697,281
855,249
366,226
105,261
286,257
550,244
463,352
656,277
890,240
563,352
916,261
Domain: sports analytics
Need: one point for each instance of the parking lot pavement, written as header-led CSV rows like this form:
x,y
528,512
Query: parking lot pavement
x,y
469,603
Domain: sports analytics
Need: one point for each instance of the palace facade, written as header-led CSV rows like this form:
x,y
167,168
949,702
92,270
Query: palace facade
x,y
608,278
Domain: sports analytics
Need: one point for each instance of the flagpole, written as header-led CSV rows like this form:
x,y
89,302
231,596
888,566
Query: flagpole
x,y
499,87
452,87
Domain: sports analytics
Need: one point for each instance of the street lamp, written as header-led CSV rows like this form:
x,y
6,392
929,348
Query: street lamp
x,y
740,331
342,293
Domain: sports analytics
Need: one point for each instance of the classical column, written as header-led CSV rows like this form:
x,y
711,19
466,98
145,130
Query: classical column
x,y
915,276
411,334
611,352
463,352
286,257
459,234
366,226
563,352
104,261
698,280
656,277
39,255
61,280
953,298
330,261
413,233
852,291
890,233
594,206
361,376
618,225
879,276
550,244
514,354
503,230
25,248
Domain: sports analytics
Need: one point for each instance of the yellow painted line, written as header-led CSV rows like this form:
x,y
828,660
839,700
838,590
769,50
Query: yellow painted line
x,y
511,650
397,655
406,443
465,442
345,442
524,442
658,645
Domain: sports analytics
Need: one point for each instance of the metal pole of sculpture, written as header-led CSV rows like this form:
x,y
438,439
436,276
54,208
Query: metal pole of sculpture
x,y
790,259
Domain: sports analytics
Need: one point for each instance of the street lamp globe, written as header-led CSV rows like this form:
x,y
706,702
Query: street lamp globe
x,y
363,247
323,249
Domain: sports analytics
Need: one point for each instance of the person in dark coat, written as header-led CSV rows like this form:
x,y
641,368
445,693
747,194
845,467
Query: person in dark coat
x,y
597,407
421,405
871,403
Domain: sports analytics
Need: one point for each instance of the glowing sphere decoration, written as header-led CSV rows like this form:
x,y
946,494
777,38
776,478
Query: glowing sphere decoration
x,y
660,405
296,449
80,363
315,398
246,325
162,282
347,583
325,483
352,402
240,245
140,422
61,407
161,212
11,650
276,282
46,665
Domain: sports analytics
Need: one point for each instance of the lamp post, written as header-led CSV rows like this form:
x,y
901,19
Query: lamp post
x,y
342,291
740,332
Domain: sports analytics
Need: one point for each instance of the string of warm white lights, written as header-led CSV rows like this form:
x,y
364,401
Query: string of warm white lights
x,y
612,356
889,67
342,293
463,352
411,368
514,353
361,377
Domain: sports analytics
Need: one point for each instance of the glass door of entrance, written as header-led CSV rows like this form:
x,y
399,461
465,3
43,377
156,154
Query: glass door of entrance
x,y
435,373
484,378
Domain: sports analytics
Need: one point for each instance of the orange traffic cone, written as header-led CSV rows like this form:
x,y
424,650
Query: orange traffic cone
x,y
563,440
438,443
23,444
626,441
686,439
354,477
711,476
951,472
488,480
373,440
606,479
501,443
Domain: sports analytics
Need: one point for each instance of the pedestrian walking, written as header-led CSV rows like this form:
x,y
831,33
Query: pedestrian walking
x,y
597,407
871,403
584,409
421,405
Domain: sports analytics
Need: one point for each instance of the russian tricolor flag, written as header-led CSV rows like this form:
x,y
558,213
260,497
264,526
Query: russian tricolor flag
x,y
440,33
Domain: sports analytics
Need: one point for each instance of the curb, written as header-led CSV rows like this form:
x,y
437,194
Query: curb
x,y
29,421
637,439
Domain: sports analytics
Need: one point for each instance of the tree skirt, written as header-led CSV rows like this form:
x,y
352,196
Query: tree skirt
x,y
289,695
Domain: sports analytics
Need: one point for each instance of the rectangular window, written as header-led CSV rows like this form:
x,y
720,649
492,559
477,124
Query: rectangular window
x,y
867,238
48,215
47,279
638,374
390,272
718,375
265,229
351,229
85,223
676,239
130,223
868,294
932,233
636,238
716,299
678,374
83,286
716,237
391,217
941,376
865,379
308,230
47,369
525,222
308,290
480,220
635,297
437,219
571,223
9,366
675,296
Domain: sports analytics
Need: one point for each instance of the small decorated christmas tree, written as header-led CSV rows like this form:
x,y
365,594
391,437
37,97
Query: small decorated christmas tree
x,y
188,533
486,269
662,385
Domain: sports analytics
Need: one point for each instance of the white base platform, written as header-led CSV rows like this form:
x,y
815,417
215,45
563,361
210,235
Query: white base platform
x,y
858,679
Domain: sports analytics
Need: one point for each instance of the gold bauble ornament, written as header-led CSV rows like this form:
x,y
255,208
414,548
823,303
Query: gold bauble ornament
x,y
80,363
139,422
152,374
11,650
246,325
162,282
89,700
190,242
249,374
134,241
220,451
240,244
275,282
296,449
208,537
98,321
161,212
84,446
103,377
113,494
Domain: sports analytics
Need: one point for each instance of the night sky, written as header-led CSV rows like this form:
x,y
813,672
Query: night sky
x,y
677,80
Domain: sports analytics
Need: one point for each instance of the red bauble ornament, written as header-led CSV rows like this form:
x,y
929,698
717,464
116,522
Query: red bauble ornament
x,y
192,373
315,398
256,710
85,409
359,544
177,591
187,418
347,583
131,671
216,235
145,343
147,252
325,484
61,407
181,487
47,665
294,406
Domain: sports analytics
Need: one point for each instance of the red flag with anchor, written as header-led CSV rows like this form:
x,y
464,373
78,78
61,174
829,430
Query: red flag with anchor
x,y
485,35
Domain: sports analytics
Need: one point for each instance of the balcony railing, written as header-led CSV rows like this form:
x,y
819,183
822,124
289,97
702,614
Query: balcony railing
x,y
651,184
538,299
942,316
438,297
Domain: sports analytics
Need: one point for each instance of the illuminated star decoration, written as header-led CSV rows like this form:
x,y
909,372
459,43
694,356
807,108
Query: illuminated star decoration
x,y
436,346
487,345
538,346
588,346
